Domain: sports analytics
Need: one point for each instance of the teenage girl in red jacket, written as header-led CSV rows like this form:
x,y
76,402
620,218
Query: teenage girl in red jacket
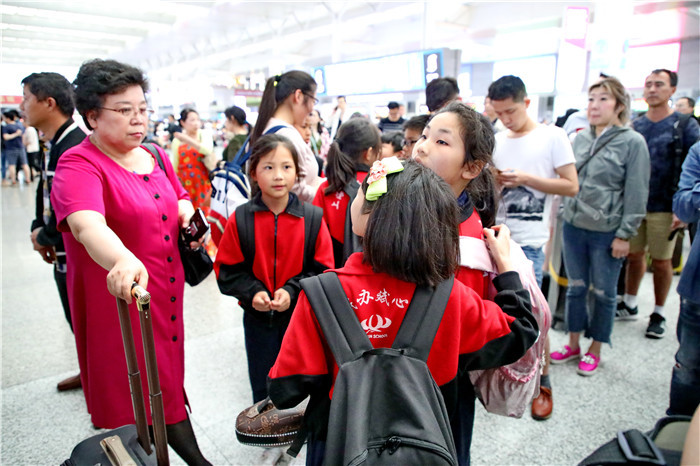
x,y
410,238
357,145
265,275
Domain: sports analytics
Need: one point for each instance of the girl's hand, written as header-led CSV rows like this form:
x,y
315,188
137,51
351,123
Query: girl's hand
x,y
281,301
261,301
123,274
498,241
620,248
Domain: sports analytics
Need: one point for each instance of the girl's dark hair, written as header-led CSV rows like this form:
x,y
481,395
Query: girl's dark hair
x,y
277,89
263,146
395,138
98,78
413,229
354,137
185,113
479,143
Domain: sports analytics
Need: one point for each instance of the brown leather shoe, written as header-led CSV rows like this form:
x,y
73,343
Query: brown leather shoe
x,y
542,405
71,383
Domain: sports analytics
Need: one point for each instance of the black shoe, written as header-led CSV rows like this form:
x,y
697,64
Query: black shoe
x,y
624,312
657,326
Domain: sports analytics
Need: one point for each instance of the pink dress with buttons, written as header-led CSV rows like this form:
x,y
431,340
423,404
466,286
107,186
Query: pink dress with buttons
x,y
142,209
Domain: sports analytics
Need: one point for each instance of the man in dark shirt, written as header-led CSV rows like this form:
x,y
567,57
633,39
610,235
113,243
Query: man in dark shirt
x,y
669,136
48,106
393,122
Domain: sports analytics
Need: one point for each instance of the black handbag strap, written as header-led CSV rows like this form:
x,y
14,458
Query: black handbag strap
x,y
595,151
351,242
312,224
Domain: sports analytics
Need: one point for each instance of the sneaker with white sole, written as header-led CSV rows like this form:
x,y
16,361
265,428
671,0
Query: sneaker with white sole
x,y
588,364
657,326
565,354
624,312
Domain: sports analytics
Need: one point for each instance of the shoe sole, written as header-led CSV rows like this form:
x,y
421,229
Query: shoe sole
x,y
630,317
586,373
541,418
575,357
654,336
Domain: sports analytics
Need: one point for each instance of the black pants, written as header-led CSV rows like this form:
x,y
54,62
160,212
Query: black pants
x,y
463,425
62,285
262,345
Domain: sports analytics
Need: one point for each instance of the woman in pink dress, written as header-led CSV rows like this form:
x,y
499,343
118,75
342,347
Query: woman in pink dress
x,y
121,214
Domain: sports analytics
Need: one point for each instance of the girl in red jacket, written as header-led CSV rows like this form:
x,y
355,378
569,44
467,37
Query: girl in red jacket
x,y
410,238
457,144
357,145
266,250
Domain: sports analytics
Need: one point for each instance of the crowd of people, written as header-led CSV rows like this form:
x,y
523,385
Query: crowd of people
x,y
382,204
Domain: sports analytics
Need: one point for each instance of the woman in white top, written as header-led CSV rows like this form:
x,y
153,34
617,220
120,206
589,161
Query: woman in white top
x,y
30,138
287,100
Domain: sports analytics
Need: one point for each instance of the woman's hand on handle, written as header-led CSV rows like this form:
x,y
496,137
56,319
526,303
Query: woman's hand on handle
x,y
498,241
125,272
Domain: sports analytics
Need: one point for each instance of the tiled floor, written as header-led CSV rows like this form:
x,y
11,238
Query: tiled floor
x,y
40,426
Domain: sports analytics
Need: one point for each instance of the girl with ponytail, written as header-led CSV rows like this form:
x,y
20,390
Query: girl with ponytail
x,y
356,146
287,100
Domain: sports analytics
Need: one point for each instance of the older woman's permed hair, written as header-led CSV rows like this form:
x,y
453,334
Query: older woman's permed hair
x,y
98,78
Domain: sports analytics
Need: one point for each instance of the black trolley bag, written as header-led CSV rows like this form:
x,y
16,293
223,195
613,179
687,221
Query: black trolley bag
x,y
131,444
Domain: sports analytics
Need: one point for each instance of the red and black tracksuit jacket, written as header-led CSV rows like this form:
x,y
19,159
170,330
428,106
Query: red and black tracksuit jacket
x,y
473,334
281,254
335,206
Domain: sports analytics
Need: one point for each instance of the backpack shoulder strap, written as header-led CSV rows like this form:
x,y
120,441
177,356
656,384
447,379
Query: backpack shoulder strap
x,y
312,225
245,224
340,325
150,147
423,318
243,153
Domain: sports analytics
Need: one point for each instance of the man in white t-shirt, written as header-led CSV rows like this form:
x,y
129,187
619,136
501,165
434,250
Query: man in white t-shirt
x,y
534,162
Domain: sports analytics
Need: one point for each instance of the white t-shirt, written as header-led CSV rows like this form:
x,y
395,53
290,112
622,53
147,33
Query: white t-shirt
x,y
308,166
539,152
31,139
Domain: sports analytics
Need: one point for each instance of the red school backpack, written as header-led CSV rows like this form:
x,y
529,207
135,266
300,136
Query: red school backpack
x,y
509,390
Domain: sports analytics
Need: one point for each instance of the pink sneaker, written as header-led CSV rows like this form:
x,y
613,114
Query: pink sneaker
x,y
588,364
565,354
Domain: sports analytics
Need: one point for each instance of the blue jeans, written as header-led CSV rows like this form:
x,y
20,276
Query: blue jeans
x,y
588,261
536,255
685,381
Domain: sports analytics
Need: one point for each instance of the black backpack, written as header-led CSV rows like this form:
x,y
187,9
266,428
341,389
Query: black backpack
x,y
386,406
351,242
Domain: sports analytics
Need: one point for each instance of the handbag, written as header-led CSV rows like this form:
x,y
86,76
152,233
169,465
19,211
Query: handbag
x,y
264,425
196,262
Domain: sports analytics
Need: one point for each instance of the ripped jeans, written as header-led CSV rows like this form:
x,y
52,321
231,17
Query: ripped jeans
x,y
588,261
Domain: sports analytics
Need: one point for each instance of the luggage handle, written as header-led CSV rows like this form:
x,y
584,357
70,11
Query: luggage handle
x,y
143,303
115,451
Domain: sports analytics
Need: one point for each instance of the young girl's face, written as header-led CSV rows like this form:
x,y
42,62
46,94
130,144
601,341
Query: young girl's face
x,y
359,220
441,149
275,174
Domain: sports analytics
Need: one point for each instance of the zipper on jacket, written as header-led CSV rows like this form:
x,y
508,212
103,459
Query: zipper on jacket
x,y
274,271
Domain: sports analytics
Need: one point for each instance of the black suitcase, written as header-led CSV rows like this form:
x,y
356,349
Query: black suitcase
x,y
131,444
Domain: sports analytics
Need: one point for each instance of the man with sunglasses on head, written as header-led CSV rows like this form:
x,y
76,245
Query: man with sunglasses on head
x,y
48,106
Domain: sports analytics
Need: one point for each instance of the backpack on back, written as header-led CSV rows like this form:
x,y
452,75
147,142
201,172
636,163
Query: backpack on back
x,y
230,188
386,406
509,390
351,242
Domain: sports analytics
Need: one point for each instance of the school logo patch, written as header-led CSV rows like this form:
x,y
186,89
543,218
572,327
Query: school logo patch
x,y
375,324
